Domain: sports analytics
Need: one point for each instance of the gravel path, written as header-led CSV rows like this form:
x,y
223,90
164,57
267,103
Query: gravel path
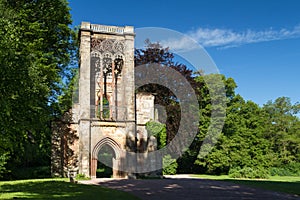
x,y
181,187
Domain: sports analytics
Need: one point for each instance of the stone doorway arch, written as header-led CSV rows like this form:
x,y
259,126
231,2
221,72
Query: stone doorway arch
x,y
116,162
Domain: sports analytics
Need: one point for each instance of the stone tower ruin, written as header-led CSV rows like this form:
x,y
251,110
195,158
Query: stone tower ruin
x,y
108,112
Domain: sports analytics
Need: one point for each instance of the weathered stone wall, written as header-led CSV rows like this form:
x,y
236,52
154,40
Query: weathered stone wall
x,y
65,149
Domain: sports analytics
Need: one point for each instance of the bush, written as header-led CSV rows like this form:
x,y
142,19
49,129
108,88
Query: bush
x,y
291,169
277,171
294,168
248,172
82,177
169,165
157,130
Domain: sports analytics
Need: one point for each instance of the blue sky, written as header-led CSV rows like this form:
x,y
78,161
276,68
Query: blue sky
x,y
257,43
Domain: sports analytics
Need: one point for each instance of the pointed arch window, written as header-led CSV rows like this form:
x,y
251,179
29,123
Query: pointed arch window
x,y
111,70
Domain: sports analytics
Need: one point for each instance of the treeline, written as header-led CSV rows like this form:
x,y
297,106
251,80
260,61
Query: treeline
x,y
255,141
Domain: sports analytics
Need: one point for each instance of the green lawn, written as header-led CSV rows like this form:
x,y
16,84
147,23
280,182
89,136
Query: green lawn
x,y
287,184
57,189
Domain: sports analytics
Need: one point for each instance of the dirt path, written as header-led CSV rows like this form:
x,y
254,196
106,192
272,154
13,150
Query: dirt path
x,y
184,187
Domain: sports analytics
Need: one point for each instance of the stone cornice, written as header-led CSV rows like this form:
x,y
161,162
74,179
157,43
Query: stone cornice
x,y
114,30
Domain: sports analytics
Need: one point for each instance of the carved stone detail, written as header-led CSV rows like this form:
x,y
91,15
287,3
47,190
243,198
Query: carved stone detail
x,y
107,45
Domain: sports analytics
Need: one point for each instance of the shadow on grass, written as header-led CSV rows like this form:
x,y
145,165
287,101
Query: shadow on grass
x,y
57,189
278,186
192,189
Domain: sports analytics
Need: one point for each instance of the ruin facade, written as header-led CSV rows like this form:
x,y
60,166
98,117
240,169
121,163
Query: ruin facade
x,y
108,111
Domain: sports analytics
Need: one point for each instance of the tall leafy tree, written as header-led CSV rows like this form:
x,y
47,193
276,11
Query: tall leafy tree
x,y
35,52
154,53
191,161
241,143
282,129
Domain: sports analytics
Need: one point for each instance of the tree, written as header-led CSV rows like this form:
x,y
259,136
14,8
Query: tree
x,y
207,85
242,144
154,53
253,140
35,51
282,129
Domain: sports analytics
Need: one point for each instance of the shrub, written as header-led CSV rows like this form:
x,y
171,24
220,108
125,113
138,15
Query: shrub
x,y
169,165
277,171
291,169
82,177
248,172
158,130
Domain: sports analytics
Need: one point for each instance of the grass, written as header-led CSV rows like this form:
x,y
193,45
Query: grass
x,y
62,189
57,189
287,184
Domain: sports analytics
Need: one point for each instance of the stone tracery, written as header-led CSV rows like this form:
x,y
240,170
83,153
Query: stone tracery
x,y
107,45
109,54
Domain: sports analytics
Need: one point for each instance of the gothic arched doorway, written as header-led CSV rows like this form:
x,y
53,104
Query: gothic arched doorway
x,y
106,155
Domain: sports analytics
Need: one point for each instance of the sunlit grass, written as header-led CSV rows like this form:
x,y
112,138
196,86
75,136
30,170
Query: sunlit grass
x,y
57,189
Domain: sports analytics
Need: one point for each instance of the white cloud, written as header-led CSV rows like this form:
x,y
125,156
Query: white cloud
x,y
226,38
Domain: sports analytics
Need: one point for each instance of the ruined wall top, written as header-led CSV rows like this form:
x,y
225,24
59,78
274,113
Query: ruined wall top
x,y
116,30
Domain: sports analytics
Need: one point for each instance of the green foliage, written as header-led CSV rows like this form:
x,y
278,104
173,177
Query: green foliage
x,y
3,161
158,130
106,109
248,172
253,139
186,162
70,94
36,49
82,177
169,165
278,171
154,53
282,129
291,169
32,172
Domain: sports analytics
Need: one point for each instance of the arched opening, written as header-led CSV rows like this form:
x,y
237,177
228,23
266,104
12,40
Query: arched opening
x,y
105,162
106,159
